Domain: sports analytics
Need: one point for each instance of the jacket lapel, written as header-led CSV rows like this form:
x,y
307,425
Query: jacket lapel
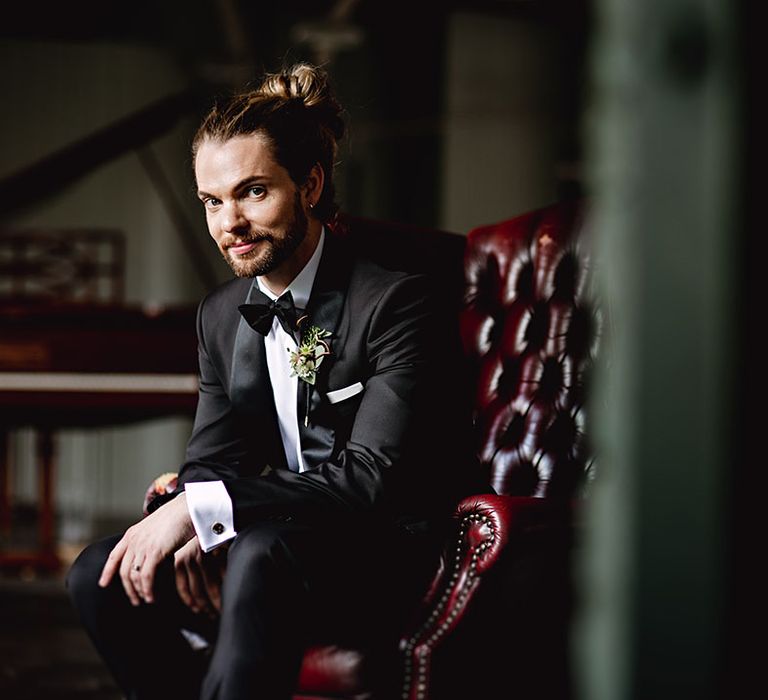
x,y
327,298
324,308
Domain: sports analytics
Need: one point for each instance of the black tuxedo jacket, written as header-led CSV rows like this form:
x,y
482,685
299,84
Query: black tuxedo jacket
x,y
400,448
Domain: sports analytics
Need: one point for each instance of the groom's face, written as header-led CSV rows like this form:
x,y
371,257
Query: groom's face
x,y
254,210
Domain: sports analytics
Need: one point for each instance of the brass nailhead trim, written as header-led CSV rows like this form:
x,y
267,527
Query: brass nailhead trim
x,y
430,642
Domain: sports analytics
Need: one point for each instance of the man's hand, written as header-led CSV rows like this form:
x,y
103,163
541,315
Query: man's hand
x,y
137,555
198,577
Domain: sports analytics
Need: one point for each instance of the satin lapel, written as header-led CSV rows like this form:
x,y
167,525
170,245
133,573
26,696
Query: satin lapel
x,y
250,390
324,310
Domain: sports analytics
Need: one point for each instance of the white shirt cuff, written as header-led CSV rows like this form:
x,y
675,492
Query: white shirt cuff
x,y
210,508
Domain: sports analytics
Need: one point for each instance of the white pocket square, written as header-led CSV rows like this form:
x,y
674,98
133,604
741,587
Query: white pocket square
x,y
345,393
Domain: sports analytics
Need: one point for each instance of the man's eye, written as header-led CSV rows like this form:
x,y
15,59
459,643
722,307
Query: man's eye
x,y
257,191
211,202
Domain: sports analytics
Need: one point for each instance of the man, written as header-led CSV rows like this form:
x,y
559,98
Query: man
x,y
315,465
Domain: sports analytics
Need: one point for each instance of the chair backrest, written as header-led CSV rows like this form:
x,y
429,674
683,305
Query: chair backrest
x,y
530,328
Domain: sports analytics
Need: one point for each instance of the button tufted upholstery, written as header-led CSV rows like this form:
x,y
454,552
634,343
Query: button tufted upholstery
x,y
529,330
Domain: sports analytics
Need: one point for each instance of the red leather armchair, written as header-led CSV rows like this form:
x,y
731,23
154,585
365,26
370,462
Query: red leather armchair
x,y
495,617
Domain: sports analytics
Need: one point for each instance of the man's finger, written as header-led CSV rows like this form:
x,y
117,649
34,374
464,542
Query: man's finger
x,y
146,578
214,593
212,578
113,563
182,584
197,588
126,576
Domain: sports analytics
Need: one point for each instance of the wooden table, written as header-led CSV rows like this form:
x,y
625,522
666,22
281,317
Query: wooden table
x,y
64,366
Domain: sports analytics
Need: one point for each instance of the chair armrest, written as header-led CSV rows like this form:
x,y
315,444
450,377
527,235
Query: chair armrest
x,y
165,483
486,525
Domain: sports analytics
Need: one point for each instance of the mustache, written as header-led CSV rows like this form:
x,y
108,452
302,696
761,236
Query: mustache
x,y
253,237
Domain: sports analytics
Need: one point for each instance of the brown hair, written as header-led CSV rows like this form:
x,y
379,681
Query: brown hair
x,y
297,112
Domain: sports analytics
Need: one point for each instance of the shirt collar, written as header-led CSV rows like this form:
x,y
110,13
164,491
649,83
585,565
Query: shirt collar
x,y
301,286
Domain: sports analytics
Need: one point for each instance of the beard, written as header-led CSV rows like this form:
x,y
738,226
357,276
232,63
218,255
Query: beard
x,y
276,250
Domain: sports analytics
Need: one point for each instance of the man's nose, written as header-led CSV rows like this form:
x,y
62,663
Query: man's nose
x,y
233,219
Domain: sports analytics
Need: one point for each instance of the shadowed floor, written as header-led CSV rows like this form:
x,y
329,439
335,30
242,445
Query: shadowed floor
x,y
44,653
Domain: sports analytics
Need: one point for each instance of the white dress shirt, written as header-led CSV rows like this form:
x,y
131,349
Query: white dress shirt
x,y
210,506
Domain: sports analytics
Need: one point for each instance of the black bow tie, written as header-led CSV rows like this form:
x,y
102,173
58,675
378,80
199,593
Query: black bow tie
x,y
259,316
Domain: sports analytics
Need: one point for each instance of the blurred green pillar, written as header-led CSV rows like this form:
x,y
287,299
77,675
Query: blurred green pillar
x,y
664,159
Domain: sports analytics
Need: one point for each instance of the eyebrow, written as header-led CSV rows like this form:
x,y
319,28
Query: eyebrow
x,y
243,184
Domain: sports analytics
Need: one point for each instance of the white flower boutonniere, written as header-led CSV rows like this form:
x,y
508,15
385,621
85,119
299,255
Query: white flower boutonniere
x,y
308,356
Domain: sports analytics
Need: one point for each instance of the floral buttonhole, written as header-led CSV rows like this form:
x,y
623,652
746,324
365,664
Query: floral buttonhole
x,y
308,356
306,359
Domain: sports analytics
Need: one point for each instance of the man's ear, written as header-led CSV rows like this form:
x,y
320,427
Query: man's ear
x,y
313,187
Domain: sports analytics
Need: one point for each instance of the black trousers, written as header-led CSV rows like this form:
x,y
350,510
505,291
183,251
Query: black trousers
x,y
286,585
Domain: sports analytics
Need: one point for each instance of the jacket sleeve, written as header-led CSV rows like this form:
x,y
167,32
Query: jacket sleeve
x,y
216,447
